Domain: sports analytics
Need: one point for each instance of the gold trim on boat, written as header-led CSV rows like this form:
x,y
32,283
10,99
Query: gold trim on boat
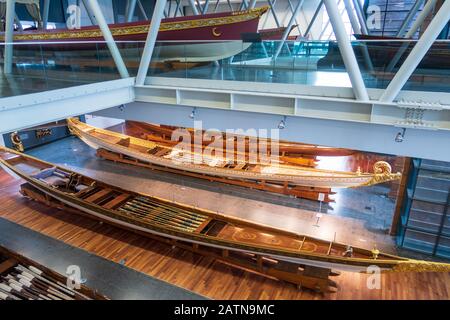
x,y
236,17
421,266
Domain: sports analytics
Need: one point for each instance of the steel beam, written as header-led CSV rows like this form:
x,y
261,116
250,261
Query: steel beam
x,y
351,16
91,17
429,6
9,35
345,47
193,7
205,7
24,111
131,10
150,42
409,17
417,53
361,17
314,17
252,4
45,13
110,42
288,28
141,7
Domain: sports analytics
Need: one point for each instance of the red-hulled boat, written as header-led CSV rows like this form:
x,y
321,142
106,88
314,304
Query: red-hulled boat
x,y
201,38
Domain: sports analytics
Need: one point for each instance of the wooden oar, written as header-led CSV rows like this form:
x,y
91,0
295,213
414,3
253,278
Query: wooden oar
x,y
34,272
171,214
162,220
185,213
149,200
168,216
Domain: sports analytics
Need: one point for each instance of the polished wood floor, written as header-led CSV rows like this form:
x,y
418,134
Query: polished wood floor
x,y
196,273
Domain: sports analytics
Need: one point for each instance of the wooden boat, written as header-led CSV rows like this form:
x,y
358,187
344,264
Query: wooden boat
x,y
203,38
152,215
182,159
24,279
287,149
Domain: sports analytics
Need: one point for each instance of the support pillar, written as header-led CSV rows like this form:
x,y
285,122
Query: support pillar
x,y
351,16
45,13
9,35
361,17
288,28
131,10
91,17
141,7
345,47
150,42
193,7
408,19
115,53
252,4
429,6
417,53
314,17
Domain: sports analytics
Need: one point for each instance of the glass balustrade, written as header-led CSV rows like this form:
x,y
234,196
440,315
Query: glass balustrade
x,y
39,67
46,66
317,63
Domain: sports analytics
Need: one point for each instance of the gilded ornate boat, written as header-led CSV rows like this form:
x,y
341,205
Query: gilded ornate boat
x,y
155,216
204,38
187,160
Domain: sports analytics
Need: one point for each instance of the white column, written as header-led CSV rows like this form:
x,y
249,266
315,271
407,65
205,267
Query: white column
x,y
345,47
361,17
141,7
313,19
417,53
205,7
9,35
115,53
2,140
150,42
408,19
288,28
421,18
45,13
131,10
252,4
351,16
88,11
193,7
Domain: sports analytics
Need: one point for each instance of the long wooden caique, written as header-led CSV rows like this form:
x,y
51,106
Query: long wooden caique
x,y
212,165
155,216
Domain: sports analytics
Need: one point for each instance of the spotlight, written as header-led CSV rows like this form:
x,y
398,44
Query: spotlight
x,y
121,107
282,123
400,136
192,115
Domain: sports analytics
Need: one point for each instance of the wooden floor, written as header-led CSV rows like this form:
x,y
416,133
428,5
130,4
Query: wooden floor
x,y
201,275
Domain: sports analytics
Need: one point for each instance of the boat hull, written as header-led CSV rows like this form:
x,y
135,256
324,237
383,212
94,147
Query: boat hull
x,y
112,204
302,177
